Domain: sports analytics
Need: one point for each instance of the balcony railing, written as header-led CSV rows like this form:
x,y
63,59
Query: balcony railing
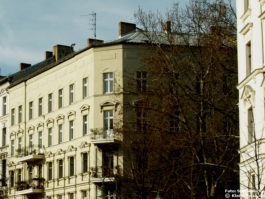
x,y
105,137
102,174
31,153
34,186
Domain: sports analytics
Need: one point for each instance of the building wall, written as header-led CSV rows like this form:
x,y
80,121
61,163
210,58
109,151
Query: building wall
x,y
250,27
91,64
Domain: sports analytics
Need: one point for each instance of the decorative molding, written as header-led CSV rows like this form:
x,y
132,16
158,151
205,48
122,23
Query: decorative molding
x,y
246,15
60,151
246,28
248,95
84,107
40,125
71,148
10,164
59,117
13,133
71,115
108,104
20,132
84,145
48,154
49,122
31,128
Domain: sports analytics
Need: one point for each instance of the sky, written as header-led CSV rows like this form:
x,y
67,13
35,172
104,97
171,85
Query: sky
x,y
28,28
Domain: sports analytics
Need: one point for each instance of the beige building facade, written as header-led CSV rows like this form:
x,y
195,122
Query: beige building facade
x,y
62,113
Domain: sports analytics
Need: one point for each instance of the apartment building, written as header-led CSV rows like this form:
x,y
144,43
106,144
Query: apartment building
x,y
62,113
251,38
4,134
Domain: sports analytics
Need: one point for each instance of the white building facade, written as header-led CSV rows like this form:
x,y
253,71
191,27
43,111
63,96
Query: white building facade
x,y
251,86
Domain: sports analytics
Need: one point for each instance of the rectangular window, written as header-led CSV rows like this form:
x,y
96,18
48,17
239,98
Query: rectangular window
x,y
30,143
20,114
12,116
108,123
85,125
19,145
248,58
3,173
40,106
49,137
251,125
12,178
84,87
71,166
84,162
71,94
19,175
84,194
71,195
3,136
60,98
40,140
30,172
59,197
40,171
141,81
49,171
12,147
60,133
108,82
4,106
141,120
60,168
30,110
50,103
107,166
71,130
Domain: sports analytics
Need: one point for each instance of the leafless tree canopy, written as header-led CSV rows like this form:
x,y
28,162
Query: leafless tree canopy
x,y
184,138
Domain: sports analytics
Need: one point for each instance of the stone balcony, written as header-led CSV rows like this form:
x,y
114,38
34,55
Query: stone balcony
x,y
108,137
30,154
30,187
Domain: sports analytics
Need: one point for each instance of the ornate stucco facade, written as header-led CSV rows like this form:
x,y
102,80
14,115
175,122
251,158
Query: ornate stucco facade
x,y
251,54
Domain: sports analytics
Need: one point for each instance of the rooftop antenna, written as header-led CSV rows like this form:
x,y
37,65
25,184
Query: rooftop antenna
x,y
92,23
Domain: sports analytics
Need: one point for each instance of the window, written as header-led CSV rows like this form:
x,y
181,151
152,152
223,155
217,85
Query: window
x,y
30,173
141,123
12,147
40,139
30,143
84,87
107,163
49,137
20,114
108,82
141,81
71,195
60,168
60,197
71,130
251,184
60,133
12,176
85,125
49,171
4,106
12,116
40,171
108,123
251,125
19,175
84,194
71,166
3,136
248,58
60,98
49,197
50,103
71,94
84,162
19,145
246,5
40,106
3,173
30,110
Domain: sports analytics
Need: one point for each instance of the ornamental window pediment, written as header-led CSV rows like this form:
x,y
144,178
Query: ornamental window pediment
x,y
248,96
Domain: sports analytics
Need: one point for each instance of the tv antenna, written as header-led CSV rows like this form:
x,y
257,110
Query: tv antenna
x,y
92,23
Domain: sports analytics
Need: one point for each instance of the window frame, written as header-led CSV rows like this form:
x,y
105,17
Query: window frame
x,y
60,133
108,82
60,168
71,94
60,98
40,107
12,116
30,110
4,105
20,114
50,137
49,171
85,125
71,166
71,130
49,102
141,81
85,88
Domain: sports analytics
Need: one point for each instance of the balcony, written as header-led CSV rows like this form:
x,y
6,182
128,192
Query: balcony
x,y
34,186
30,154
105,137
102,175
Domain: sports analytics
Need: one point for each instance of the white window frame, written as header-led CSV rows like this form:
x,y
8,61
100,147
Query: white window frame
x,y
60,133
49,137
4,111
85,125
71,94
108,122
40,106
60,98
49,102
71,129
30,110
20,114
85,87
108,83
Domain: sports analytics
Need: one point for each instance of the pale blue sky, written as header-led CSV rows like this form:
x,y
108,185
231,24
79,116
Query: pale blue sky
x,y
30,27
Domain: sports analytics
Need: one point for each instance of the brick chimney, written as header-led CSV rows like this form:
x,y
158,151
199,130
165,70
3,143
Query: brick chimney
x,y
91,42
125,28
168,27
60,51
23,66
48,54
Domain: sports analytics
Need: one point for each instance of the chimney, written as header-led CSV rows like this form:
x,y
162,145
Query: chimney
x,y
48,54
125,28
60,51
168,27
24,65
91,42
